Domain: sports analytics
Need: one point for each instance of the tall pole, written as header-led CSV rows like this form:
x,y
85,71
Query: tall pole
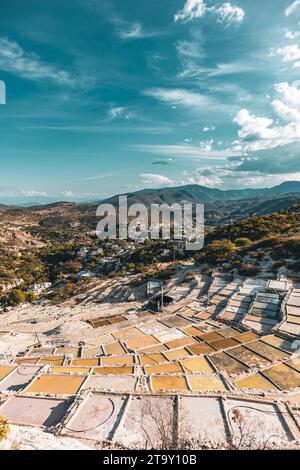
x,y
162,296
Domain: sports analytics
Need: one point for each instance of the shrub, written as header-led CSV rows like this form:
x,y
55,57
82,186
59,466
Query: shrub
x,y
189,276
30,296
249,270
242,241
16,297
220,251
4,428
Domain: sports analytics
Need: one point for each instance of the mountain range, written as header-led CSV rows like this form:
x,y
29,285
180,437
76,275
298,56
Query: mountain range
x,y
221,206
202,194
169,195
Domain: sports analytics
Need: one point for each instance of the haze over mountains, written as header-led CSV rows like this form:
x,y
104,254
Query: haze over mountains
x,y
202,194
221,207
168,195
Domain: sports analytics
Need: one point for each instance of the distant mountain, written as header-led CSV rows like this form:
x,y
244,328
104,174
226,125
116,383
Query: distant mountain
x,y
4,207
223,212
30,201
221,207
190,193
202,194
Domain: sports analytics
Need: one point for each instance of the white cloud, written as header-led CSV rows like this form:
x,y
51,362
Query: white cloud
x,y
255,131
288,53
228,177
33,193
289,94
234,174
210,181
288,108
292,8
178,97
154,179
28,65
285,112
225,13
228,13
191,9
207,145
291,34
208,129
68,193
259,133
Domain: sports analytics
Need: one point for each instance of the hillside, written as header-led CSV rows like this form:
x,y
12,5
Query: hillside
x,y
57,242
265,243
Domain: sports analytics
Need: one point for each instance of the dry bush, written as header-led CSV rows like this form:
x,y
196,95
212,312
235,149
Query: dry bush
x,y
4,428
164,434
154,416
247,432
250,433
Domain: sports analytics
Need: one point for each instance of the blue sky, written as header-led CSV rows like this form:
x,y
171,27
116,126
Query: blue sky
x,y
110,96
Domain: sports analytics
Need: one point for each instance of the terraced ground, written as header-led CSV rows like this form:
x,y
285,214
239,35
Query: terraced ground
x,y
233,347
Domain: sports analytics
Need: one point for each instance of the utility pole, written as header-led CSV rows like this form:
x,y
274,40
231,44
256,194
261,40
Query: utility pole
x,y
162,297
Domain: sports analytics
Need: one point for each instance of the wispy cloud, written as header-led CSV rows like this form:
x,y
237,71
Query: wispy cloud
x,y
232,176
191,55
97,177
225,13
34,193
230,68
115,112
155,179
100,129
178,97
208,129
190,49
68,193
292,8
134,31
190,100
203,151
289,34
28,65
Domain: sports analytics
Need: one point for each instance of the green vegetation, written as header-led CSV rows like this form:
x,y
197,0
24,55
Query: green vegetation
x,y
64,255
274,235
189,276
220,251
18,296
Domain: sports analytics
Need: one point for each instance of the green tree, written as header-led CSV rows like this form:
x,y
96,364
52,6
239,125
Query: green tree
x,y
16,297
220,251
